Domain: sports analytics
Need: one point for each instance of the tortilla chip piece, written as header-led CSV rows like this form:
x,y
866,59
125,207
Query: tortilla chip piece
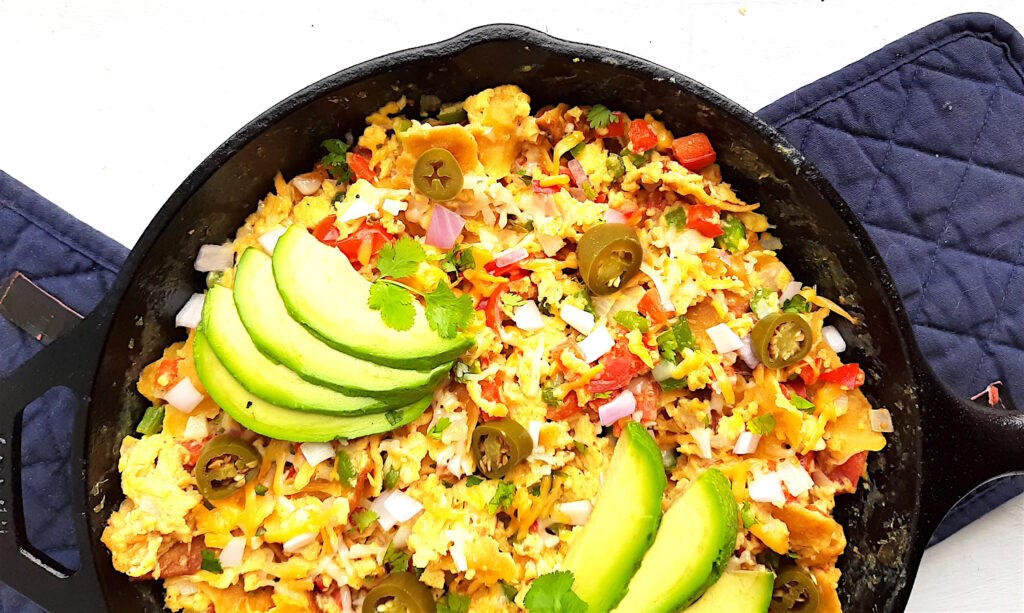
x,y
827,582
852,431
817,539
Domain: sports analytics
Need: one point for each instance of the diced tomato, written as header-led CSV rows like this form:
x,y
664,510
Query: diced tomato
x,y
361,167
167,372
851,470
646,395
601,198
796,386
194,449
694,152
366,242
326,232
491,389
809,372
513,271
492,307
807,460
614,129
620,366
641,136
540,189
848,377
656,200
650,305
570,406
705,220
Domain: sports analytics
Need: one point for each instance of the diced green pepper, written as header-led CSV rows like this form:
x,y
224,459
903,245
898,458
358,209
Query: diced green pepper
x,y
764,302
152,421
734,235
631,320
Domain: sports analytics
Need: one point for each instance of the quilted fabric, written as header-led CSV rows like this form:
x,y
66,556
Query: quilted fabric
x,y
922,138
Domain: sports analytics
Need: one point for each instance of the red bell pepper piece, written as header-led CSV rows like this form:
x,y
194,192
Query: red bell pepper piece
x,y
705,220
492,308
641,136
361,167
570,406
848,377
650,305
374,235
694,152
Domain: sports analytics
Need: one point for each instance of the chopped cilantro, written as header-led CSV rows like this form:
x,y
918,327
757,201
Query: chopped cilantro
x,y
447,313
510,302
438,429
395,559
581,447
525,177
600,116
581,299
211,563
260,489
734,235
747,515
796,304
631,320
400,258
764,302
346,471
502,498
602,395
550,395
671,342
671,385
339,196
390,479
552,593
458,260
261,531
802,404
522,223
363,518
762,424
453,603
509,591
616,168
473,481
534,490
394,303
335,160
638,159
676,218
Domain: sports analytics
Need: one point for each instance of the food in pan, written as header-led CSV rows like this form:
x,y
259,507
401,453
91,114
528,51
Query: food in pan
x,y
486,358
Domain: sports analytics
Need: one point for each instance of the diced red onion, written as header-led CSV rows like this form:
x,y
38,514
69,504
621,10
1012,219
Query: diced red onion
x,y
215,258
183,396
746,353
231,555
308,184
596,344
724,338
579,176
510,256
833,338
881,420
577,318
795,478
702,436
578,511
791,290
297,543
614,216
528,317
269,238
663,370
315,453
444,228
746,443
192,313
621,406
402,506
195,428
659,284
767,488
386,520
550,244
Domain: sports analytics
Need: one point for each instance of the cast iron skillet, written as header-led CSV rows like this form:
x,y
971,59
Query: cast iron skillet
x,y
941,449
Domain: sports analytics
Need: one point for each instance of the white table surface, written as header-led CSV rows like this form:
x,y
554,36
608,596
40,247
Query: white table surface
x,y
106,106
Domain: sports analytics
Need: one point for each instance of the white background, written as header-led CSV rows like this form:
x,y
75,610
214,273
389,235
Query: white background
x,y
105,107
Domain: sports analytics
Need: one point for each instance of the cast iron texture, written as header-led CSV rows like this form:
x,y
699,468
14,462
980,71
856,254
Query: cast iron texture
x,y
928,463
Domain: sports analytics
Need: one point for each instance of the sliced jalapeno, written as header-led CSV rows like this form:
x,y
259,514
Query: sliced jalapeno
x,y
437,174
225,465
794,592
609,255
500,445
404,591
781,339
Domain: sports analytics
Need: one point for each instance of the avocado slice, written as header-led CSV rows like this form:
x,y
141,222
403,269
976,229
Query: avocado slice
x,y
285,340
693,545
607,550
264,377
285,424
738,591
323,292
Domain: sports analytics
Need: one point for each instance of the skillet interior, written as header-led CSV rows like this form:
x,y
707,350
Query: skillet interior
x,y
824,245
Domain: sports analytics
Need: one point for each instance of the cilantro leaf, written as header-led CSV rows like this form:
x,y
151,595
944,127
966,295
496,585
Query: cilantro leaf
x,y
400,258
581,447
394,304
335,160
502,498
676,218
747,515
510,591
395,559
458,260
671,385
447,313
363,518
346,471
453,603
552,593
438,429
762,424
631,320
600,116
390,479
796,304
211,562
473,481
802,404
534,490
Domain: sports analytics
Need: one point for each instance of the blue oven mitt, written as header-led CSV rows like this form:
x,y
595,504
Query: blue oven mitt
x,y
922,138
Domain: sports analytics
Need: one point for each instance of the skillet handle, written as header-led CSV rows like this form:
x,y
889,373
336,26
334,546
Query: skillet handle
x,y
965,444
71,362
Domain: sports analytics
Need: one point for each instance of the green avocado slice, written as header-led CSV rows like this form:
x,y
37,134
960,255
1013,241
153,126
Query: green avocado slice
x,y
738,591
693,545
608,549
264,377
323,292
283,339
285,424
